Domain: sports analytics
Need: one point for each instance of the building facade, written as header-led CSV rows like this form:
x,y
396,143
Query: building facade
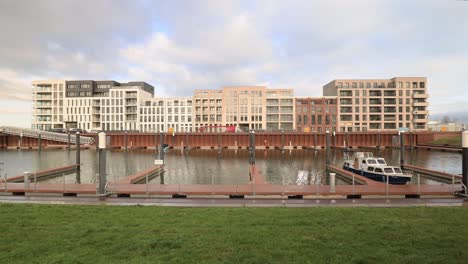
x,y
380,104
48,101
347,105
316,114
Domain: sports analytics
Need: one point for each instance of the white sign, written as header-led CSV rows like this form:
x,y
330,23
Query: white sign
x,y
158,162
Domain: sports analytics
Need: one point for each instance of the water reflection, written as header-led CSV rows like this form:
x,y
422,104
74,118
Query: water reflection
x,y
207,166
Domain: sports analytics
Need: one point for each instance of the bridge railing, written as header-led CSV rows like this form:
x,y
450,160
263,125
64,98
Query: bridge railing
x,y
33,133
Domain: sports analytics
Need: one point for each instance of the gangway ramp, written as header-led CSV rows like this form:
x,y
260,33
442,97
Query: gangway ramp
x,y
34,133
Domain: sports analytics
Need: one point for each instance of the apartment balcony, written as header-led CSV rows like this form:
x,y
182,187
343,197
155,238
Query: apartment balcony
x,y
421,112
420,104
43,90
420,96
420,120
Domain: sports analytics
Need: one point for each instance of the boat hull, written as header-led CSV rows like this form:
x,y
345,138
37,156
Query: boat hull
x,y
378,177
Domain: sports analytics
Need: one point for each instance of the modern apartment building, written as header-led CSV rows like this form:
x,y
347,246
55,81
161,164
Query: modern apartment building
x,y
245,107
316,114
347,105
48,97
208,110
166,114
104,105
380,104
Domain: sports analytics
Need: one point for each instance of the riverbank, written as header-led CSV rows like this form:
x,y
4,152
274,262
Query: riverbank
x,y
104,234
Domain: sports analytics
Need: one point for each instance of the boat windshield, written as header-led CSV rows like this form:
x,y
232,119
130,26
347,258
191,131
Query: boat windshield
x,y
371,161
381,161
397,170
388,170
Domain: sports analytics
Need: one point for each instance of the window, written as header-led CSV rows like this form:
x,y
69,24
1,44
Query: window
x,y
400,85
388,170
378,170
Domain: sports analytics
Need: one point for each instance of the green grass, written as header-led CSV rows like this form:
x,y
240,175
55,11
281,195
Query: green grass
x,y
456,141
113,234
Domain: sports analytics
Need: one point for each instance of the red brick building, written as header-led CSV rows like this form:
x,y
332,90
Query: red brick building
x,y
316,114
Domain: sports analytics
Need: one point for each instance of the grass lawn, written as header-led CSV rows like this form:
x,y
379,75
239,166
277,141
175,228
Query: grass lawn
x,y
456,141
116,234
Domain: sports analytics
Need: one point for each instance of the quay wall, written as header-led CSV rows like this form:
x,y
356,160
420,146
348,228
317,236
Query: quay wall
x,y
241,140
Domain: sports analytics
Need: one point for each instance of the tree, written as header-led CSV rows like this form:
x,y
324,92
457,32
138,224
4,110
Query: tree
x,y
446,120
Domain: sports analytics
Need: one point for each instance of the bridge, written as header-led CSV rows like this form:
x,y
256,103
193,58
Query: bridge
x,y
25,137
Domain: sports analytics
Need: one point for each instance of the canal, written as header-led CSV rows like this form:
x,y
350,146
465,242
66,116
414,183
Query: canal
x,y
206,166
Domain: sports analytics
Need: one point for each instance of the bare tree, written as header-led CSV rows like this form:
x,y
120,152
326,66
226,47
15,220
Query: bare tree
x,y
446,120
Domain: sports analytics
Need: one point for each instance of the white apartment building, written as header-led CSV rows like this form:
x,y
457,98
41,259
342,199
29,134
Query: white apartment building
x,y
47,112
166,114
380,104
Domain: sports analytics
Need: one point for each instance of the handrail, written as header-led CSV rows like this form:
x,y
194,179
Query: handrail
x,y
34,133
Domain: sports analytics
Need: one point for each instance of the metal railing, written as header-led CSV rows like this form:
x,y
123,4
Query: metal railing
x,y
34,133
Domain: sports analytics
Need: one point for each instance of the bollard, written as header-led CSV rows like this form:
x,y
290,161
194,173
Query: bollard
x,y
39,141
378,139
332,182
402,149
252,147
419,185
126,140
26,181
317,183
327,148
102,163
465,160
387,184
68,141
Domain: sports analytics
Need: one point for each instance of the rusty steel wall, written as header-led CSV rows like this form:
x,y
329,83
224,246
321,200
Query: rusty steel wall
x,y
266,139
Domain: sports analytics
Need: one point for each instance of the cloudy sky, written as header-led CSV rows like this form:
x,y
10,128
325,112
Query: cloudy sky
x,y
179,46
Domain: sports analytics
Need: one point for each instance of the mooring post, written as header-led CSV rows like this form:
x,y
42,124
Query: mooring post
x,y
327,148
378,139
20,142
282,139
219,143
334,139
161,145
102,163
332,182
252,147
411,140
347,138
315,140
126,140
156,148
402,149
78,147
465,160
39,138
68,141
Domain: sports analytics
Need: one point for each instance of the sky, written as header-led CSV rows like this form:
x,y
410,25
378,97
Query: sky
x,y
179,46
